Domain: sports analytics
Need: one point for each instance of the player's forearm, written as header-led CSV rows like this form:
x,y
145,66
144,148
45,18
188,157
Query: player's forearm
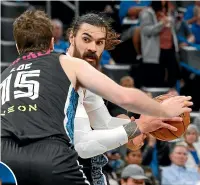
x,y
89,143
129,98
138,102
116,122
112,123
98,142
101,119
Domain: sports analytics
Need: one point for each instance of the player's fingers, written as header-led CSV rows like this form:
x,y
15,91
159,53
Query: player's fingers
x,y
188,98
184,98
177,98
188,103
173,119
186,109
168,126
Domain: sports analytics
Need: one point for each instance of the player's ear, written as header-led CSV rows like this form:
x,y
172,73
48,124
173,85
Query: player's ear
x,y
71,38
51,47
17,49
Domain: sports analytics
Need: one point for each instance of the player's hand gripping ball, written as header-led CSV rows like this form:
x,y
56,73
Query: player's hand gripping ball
x,y
137,142
166,134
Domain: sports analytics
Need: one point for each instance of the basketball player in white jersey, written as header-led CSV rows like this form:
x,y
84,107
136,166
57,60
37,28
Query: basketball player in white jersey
x,y
95,131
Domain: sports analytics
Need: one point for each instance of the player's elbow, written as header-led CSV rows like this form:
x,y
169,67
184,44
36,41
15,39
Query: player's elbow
x,y
82,151
89,149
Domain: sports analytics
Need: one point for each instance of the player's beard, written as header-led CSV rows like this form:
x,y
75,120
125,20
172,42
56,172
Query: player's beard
x,y
86,55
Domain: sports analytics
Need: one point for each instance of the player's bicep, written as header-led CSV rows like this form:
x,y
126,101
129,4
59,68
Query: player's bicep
x,y
80,110
92,101
81,123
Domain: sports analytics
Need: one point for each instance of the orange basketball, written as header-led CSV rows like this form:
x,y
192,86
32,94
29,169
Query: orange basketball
x,y
166,134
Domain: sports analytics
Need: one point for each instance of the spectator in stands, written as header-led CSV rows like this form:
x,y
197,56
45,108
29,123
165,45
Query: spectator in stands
x,y
190,16
197,123
127,81
196,25
116,163
115,110
113,168
159,46
115,160
131,10
191,138
135,157
60,45
183,31
177,172
155,154
150,156
133,175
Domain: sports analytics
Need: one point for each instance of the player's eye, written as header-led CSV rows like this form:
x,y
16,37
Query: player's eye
x,y
86,40
99,43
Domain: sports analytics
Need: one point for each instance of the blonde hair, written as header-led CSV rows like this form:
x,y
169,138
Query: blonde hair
x,y
193,127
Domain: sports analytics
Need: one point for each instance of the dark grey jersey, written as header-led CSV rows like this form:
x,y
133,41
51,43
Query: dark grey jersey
x,y
37,99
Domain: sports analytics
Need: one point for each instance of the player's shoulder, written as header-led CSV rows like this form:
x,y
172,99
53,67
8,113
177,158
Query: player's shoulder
x,y
70,58
69,61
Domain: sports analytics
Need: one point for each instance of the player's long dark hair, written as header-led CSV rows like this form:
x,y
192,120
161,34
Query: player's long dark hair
x,y
99,20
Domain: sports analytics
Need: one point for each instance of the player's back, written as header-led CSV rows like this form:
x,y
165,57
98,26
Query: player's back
x,y
35,96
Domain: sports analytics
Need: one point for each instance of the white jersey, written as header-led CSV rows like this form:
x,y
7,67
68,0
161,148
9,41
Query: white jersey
x,y
108,132
95,130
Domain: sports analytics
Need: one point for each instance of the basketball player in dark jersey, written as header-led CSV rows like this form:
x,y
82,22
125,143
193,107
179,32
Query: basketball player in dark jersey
x,y
39,90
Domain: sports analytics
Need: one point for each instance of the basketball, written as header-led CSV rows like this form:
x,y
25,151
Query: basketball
x,y
166,134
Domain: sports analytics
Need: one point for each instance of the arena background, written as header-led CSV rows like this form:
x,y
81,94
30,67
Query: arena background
x,y
121,62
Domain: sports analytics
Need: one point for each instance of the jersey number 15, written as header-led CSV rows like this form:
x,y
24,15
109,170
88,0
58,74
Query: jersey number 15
x,y
21,82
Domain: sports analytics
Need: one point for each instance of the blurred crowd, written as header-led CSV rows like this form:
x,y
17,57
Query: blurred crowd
x,y
159,35
158,162
158,31
156,38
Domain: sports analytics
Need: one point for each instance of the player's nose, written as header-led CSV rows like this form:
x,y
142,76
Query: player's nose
x,y
92,47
